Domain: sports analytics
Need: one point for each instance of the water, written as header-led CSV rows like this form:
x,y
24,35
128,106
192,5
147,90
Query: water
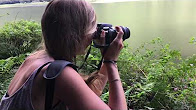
x,y
173,20
17,12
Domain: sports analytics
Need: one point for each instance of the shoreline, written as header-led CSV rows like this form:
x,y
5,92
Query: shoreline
x,y
35,3
23,4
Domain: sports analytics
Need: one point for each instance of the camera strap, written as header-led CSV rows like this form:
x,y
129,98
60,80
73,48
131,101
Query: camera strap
x,y
87,54
104,51
105,47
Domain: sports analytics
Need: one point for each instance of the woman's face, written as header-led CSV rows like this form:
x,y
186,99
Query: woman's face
x,y
88,38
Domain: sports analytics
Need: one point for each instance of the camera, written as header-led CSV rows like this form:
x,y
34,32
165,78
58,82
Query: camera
x,y
110,33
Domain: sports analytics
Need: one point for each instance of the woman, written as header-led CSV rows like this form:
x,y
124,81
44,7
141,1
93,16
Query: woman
x,y
67,27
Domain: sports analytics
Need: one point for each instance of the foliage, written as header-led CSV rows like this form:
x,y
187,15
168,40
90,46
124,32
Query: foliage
x,y
19,37
7,69
193,40
154,76
91,63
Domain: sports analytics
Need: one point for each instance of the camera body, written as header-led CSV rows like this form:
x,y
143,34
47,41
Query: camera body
x,y
110,33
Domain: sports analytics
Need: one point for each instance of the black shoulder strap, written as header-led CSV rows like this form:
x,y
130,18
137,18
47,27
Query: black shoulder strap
x,y
53,70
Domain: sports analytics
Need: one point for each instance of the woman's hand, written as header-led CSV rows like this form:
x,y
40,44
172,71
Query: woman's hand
x,y
115,47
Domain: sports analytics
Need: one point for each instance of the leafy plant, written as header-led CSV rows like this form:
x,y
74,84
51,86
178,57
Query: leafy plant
x,y
19,37
7,69
154,76
193,40
157,77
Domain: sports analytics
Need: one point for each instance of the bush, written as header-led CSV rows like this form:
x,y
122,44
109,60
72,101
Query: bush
x,y
154,76
8,68
19,38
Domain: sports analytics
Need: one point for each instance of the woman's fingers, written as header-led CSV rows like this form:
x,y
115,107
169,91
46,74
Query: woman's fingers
x,y
102,38
120,32
116,46
102,41
118,40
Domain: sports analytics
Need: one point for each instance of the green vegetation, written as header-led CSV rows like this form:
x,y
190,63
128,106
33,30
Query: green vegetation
x,y
154,76
158,77
8,68
19,38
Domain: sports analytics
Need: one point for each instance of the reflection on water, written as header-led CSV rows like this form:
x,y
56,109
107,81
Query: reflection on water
x,y
174,20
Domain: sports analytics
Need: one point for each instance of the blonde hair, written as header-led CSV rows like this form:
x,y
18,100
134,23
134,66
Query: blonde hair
x,y
65,26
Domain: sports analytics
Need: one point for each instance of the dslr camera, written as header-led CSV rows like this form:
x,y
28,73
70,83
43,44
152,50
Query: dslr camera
x,y
110,34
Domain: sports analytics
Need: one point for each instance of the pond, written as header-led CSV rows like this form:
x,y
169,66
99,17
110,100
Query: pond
x,y
173,20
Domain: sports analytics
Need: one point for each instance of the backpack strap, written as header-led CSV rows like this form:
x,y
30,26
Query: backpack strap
x,y
53,70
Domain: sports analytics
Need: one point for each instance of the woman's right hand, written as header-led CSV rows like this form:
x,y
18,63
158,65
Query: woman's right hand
x,y
115,47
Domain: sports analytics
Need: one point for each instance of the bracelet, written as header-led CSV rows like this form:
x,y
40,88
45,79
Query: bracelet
x,y
111,61
114,80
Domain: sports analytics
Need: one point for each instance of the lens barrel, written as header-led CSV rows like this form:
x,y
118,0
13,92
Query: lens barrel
x,y
126,32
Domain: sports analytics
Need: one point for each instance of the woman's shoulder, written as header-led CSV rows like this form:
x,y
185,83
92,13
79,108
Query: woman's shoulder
x,y
37,59
30,64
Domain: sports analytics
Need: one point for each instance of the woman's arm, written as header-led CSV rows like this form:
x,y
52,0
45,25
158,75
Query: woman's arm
x,y
117,99
97,80
116,93
73,91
